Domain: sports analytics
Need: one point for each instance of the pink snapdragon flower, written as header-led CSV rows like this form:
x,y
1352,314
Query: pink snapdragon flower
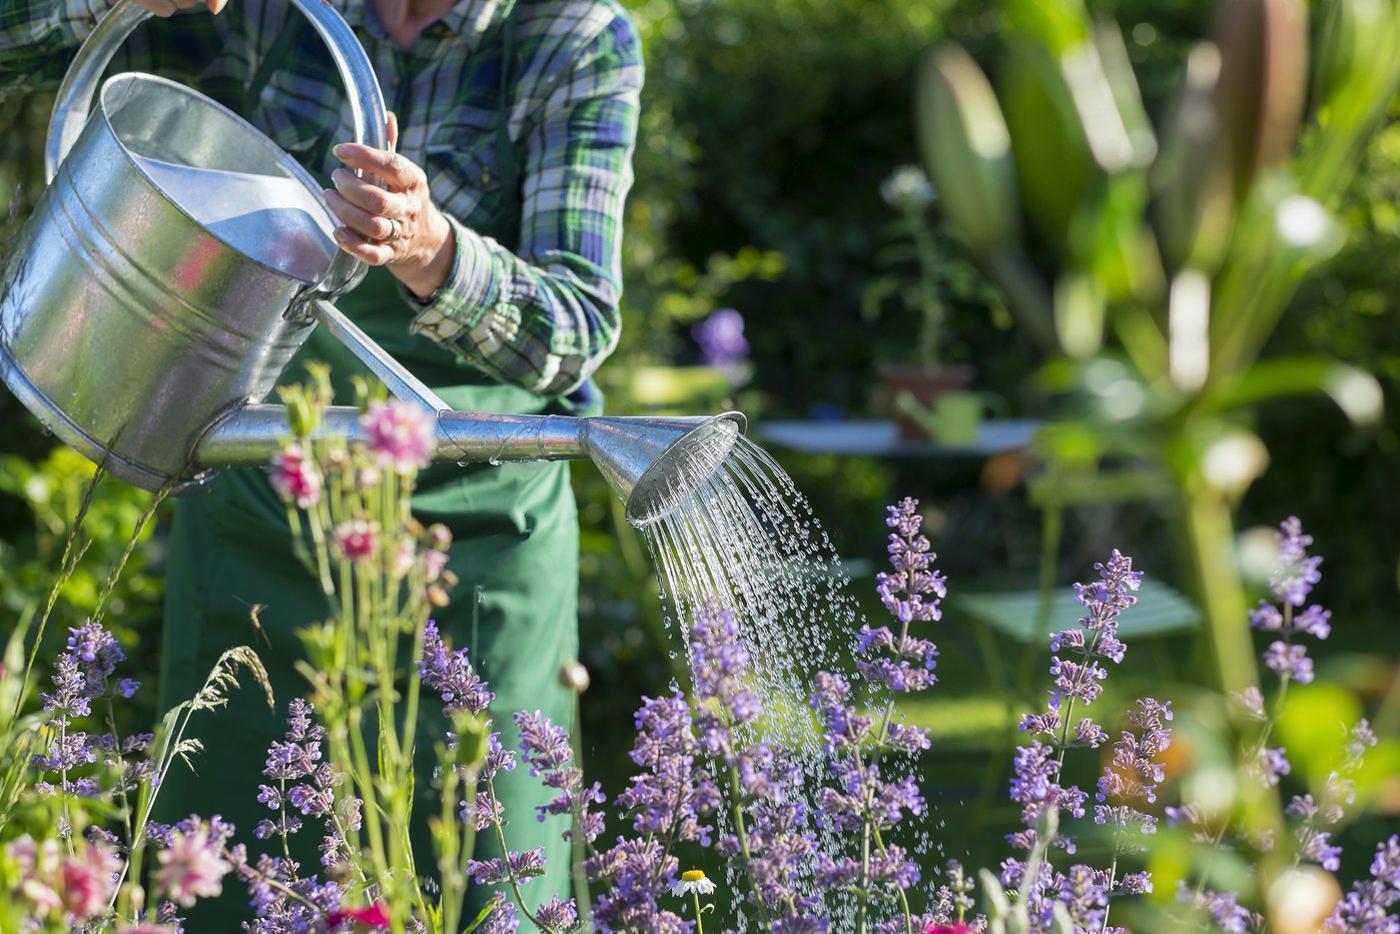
x,y
357,539
88,879
192,867
295,478
400,435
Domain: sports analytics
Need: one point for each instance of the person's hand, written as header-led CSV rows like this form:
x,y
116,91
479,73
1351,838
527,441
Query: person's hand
x,y
164,8
389,217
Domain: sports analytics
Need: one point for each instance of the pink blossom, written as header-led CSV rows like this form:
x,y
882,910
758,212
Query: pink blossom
x,y
295,478
88,880
192,867
375,917
400,435
145,929
38,870
357,539
404,553
434,562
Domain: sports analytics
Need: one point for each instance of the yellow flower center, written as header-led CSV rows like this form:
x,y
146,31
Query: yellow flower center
x,y
692,875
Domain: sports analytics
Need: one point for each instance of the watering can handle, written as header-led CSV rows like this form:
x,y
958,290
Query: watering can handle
x,y
75,96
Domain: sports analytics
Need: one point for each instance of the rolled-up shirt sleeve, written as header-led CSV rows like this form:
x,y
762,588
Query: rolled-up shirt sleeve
x,y
544,317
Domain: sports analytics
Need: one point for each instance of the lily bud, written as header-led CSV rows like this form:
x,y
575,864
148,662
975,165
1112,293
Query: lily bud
x,y
1263,80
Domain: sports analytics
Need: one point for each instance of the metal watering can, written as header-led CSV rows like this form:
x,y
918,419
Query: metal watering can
x,y
179,259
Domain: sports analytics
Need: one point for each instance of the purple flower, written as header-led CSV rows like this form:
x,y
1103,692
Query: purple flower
x,y
780,840
517,866
1035,786
1366,908
551,756
1291,583
503,919
1289,661
1097,638
1297,572
1134,772
451,675
718,661
673,793
1223,908
913,590
640,872
1269,765
556,914
721,339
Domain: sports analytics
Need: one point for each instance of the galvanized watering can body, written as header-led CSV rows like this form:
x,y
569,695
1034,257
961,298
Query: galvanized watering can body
x,y
127,325
144,316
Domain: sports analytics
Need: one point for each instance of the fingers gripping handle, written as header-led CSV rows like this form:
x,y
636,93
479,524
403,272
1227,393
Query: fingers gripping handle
x,y
79,88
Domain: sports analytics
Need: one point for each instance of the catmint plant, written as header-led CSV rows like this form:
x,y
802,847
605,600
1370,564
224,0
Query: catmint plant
x,y
891,661
1082,895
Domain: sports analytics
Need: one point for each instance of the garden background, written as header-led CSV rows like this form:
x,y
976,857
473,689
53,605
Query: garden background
x,y
767,130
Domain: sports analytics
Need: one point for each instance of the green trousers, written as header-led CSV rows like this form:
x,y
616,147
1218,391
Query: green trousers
x,y
515,550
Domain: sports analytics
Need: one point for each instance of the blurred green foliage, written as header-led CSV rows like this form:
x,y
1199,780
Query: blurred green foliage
x,y
768,127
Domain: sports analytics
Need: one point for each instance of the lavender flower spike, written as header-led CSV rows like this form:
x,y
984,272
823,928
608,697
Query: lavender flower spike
x,y
1366,908
1290,615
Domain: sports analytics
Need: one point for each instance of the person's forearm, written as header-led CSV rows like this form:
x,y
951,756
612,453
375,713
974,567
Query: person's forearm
x,y
545,325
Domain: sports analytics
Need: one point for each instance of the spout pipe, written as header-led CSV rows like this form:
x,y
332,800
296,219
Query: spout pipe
x,y
654,464
252,435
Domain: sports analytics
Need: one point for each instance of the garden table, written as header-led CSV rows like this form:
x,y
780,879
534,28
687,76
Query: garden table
x,y
858,437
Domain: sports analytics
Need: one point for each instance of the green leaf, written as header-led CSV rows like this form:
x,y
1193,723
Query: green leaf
x,y
1357,393
1159,611
1054,167
967,150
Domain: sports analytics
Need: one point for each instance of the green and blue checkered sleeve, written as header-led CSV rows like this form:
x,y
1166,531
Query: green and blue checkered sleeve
x,y
36,37
546,316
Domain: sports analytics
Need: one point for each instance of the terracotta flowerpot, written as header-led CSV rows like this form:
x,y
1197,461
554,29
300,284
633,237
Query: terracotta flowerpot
x,y
925,385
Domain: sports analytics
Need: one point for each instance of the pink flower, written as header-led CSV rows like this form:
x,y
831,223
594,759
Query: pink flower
x,y
192,867
145,929
957,928
88,880
404,553
295,478
357,539
38,870
434,562
375,917
400,435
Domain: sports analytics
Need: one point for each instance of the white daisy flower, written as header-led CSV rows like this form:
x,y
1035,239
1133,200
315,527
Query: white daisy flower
x,y
693,880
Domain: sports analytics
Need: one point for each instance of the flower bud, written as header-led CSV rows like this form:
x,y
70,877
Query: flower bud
x,y
574,676
1263,80
439,536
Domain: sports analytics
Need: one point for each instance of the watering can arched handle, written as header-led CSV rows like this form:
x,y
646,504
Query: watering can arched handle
x,y
79,88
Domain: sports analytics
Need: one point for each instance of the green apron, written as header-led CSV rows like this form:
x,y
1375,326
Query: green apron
x,y
515,531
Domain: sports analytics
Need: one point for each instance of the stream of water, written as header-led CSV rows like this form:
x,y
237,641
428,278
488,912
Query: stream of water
x,y
747,538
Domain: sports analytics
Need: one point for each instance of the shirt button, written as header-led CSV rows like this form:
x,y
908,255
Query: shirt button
x,y
486,176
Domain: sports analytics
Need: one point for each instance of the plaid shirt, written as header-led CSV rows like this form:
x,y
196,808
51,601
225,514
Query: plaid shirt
x,y
542,316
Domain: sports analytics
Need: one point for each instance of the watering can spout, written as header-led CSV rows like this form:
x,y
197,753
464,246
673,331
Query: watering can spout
x,y
654,464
